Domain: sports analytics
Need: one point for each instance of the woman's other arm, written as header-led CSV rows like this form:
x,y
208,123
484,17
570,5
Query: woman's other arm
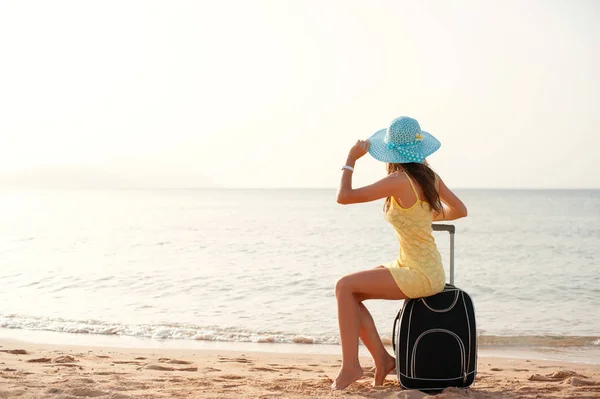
x,y
453,206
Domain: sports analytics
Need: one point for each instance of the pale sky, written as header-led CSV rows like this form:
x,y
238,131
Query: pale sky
x,y
274,93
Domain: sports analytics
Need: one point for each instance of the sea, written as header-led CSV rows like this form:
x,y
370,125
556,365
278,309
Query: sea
x,y
256,269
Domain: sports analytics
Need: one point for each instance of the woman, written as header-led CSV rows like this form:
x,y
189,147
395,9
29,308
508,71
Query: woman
x,y
415,196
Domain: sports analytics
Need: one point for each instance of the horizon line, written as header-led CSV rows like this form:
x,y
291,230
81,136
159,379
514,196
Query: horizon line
x,y
26,187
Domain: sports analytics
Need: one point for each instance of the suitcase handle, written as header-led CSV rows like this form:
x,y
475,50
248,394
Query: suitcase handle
x,y
450,228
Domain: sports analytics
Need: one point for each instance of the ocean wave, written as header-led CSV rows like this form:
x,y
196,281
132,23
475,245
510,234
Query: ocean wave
x,y
159,332
218,334
552,341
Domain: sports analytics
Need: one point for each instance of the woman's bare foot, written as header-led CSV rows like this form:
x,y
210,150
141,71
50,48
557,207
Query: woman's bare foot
x,y
381,371
346,377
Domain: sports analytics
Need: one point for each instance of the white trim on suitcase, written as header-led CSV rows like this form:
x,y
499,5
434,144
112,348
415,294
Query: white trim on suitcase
x,y
408,331
456,295
413,352
468,327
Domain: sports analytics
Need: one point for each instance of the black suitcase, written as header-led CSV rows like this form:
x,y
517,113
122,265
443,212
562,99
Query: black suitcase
x,y
436,343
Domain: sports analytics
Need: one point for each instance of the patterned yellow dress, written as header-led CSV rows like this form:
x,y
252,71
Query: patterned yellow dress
x,y
418,270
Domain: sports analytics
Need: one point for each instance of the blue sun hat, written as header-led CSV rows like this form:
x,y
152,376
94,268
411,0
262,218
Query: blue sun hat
x,y
402,141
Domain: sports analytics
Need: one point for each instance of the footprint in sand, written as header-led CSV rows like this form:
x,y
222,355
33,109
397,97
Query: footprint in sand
x,y
556,376
127,362
210,369
164,368
40,360
566,373
15,351
108,373
263,369
191,369
159,367
235,360
173,361
231,385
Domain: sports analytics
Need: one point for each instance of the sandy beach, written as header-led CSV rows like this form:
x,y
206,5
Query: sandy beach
x,y
31,370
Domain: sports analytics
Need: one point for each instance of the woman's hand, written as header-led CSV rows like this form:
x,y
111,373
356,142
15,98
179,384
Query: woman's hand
x,y
358,150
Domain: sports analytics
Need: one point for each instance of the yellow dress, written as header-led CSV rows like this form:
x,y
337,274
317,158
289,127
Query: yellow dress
x,y
418,270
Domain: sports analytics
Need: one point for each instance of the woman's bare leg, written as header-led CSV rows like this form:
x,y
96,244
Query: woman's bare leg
x,y
349,325
384,362
377,284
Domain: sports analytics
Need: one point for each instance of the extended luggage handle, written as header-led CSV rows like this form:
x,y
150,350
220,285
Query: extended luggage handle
x,y
450,228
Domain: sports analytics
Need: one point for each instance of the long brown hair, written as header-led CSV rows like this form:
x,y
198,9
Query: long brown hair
x,y
425,177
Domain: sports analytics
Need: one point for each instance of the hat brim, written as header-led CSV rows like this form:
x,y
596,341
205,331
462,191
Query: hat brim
x,y
379,150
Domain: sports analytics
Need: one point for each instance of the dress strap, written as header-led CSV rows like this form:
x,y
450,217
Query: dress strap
x,y
412,185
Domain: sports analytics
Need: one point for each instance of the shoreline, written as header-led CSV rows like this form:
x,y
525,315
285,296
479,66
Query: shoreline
x,y
576,355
